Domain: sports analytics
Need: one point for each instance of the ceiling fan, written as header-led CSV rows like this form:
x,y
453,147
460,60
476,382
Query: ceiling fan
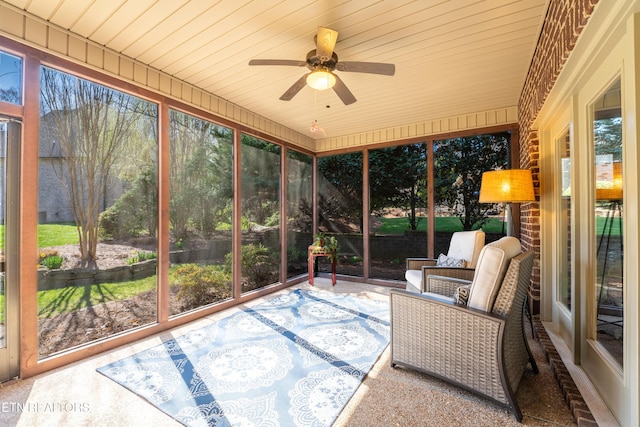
x,y
322,61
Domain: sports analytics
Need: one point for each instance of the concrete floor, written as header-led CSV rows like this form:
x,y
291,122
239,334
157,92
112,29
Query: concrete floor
x,y
76,395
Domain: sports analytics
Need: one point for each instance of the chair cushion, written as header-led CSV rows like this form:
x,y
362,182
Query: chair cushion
x,y
466,245
414,280
490,270
447,261
438,297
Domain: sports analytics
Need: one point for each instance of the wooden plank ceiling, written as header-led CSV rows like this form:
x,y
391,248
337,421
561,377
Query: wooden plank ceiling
x,y
452,57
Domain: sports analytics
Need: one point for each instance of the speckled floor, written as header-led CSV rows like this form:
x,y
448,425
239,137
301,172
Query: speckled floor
x,y
76,395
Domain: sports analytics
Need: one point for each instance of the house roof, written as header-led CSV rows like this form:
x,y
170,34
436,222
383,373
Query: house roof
x,y
452,57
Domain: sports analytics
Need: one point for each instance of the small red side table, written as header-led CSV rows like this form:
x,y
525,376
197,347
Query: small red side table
x,y
313,254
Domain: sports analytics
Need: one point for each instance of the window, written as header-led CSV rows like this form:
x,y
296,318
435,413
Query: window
x,y
564,217
10,78
609,200
97,212
200,212
299,211
340,209
260,213
397,201
458,167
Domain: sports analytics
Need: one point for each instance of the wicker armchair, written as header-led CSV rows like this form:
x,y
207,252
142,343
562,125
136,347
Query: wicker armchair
x,y
464,245
485,352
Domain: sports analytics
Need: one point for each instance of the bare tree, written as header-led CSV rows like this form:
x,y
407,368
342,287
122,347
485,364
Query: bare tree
x,y
86,126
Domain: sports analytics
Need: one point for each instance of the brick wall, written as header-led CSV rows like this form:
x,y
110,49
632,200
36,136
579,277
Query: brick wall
x,y
563,24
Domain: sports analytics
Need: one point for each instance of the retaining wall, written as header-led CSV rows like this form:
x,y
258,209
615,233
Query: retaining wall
x,y
409,244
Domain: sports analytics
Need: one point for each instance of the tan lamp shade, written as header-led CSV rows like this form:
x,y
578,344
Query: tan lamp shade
x,y
507,186
609,185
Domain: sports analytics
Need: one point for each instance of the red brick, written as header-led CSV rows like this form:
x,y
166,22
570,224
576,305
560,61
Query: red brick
x,y
563,24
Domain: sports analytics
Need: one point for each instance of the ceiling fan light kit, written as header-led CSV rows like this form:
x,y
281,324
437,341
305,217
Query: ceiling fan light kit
x,y
321,80
322,61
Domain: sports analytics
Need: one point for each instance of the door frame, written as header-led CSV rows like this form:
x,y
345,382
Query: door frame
x,y
10,353
609,49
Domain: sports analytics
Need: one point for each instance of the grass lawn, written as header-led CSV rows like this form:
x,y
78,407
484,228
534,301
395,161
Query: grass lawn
x,y
451,224
400,225
52,235
615,224
57,235
57,301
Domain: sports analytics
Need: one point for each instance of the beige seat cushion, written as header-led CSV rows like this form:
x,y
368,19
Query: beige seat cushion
x,y
466,245
490,270
414,280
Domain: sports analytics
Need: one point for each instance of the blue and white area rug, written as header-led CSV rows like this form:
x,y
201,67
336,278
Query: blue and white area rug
x,y
293,360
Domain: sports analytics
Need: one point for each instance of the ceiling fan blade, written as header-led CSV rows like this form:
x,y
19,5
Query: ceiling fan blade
x,y
325,43
343,92
366,67
295,88
291,62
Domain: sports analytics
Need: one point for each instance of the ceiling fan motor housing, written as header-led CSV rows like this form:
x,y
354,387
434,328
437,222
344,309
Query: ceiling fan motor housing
x,y
313,61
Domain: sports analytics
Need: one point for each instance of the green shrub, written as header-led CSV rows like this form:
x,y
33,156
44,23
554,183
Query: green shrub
x,y
296,255
179,243
50,259
200,285
134,214
245,223
121,221
259,267
141,256
51,262
273,219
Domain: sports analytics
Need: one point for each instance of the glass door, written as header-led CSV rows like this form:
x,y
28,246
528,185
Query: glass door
x,y
9,299
609,230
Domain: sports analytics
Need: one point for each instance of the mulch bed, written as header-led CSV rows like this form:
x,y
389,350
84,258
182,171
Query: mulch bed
x,y
81,326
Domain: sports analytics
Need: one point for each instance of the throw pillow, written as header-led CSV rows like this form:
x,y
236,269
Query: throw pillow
x,y
445,261
461,295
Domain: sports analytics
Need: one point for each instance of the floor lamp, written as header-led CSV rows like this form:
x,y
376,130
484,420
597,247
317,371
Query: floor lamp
x,y
611,192
507,186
